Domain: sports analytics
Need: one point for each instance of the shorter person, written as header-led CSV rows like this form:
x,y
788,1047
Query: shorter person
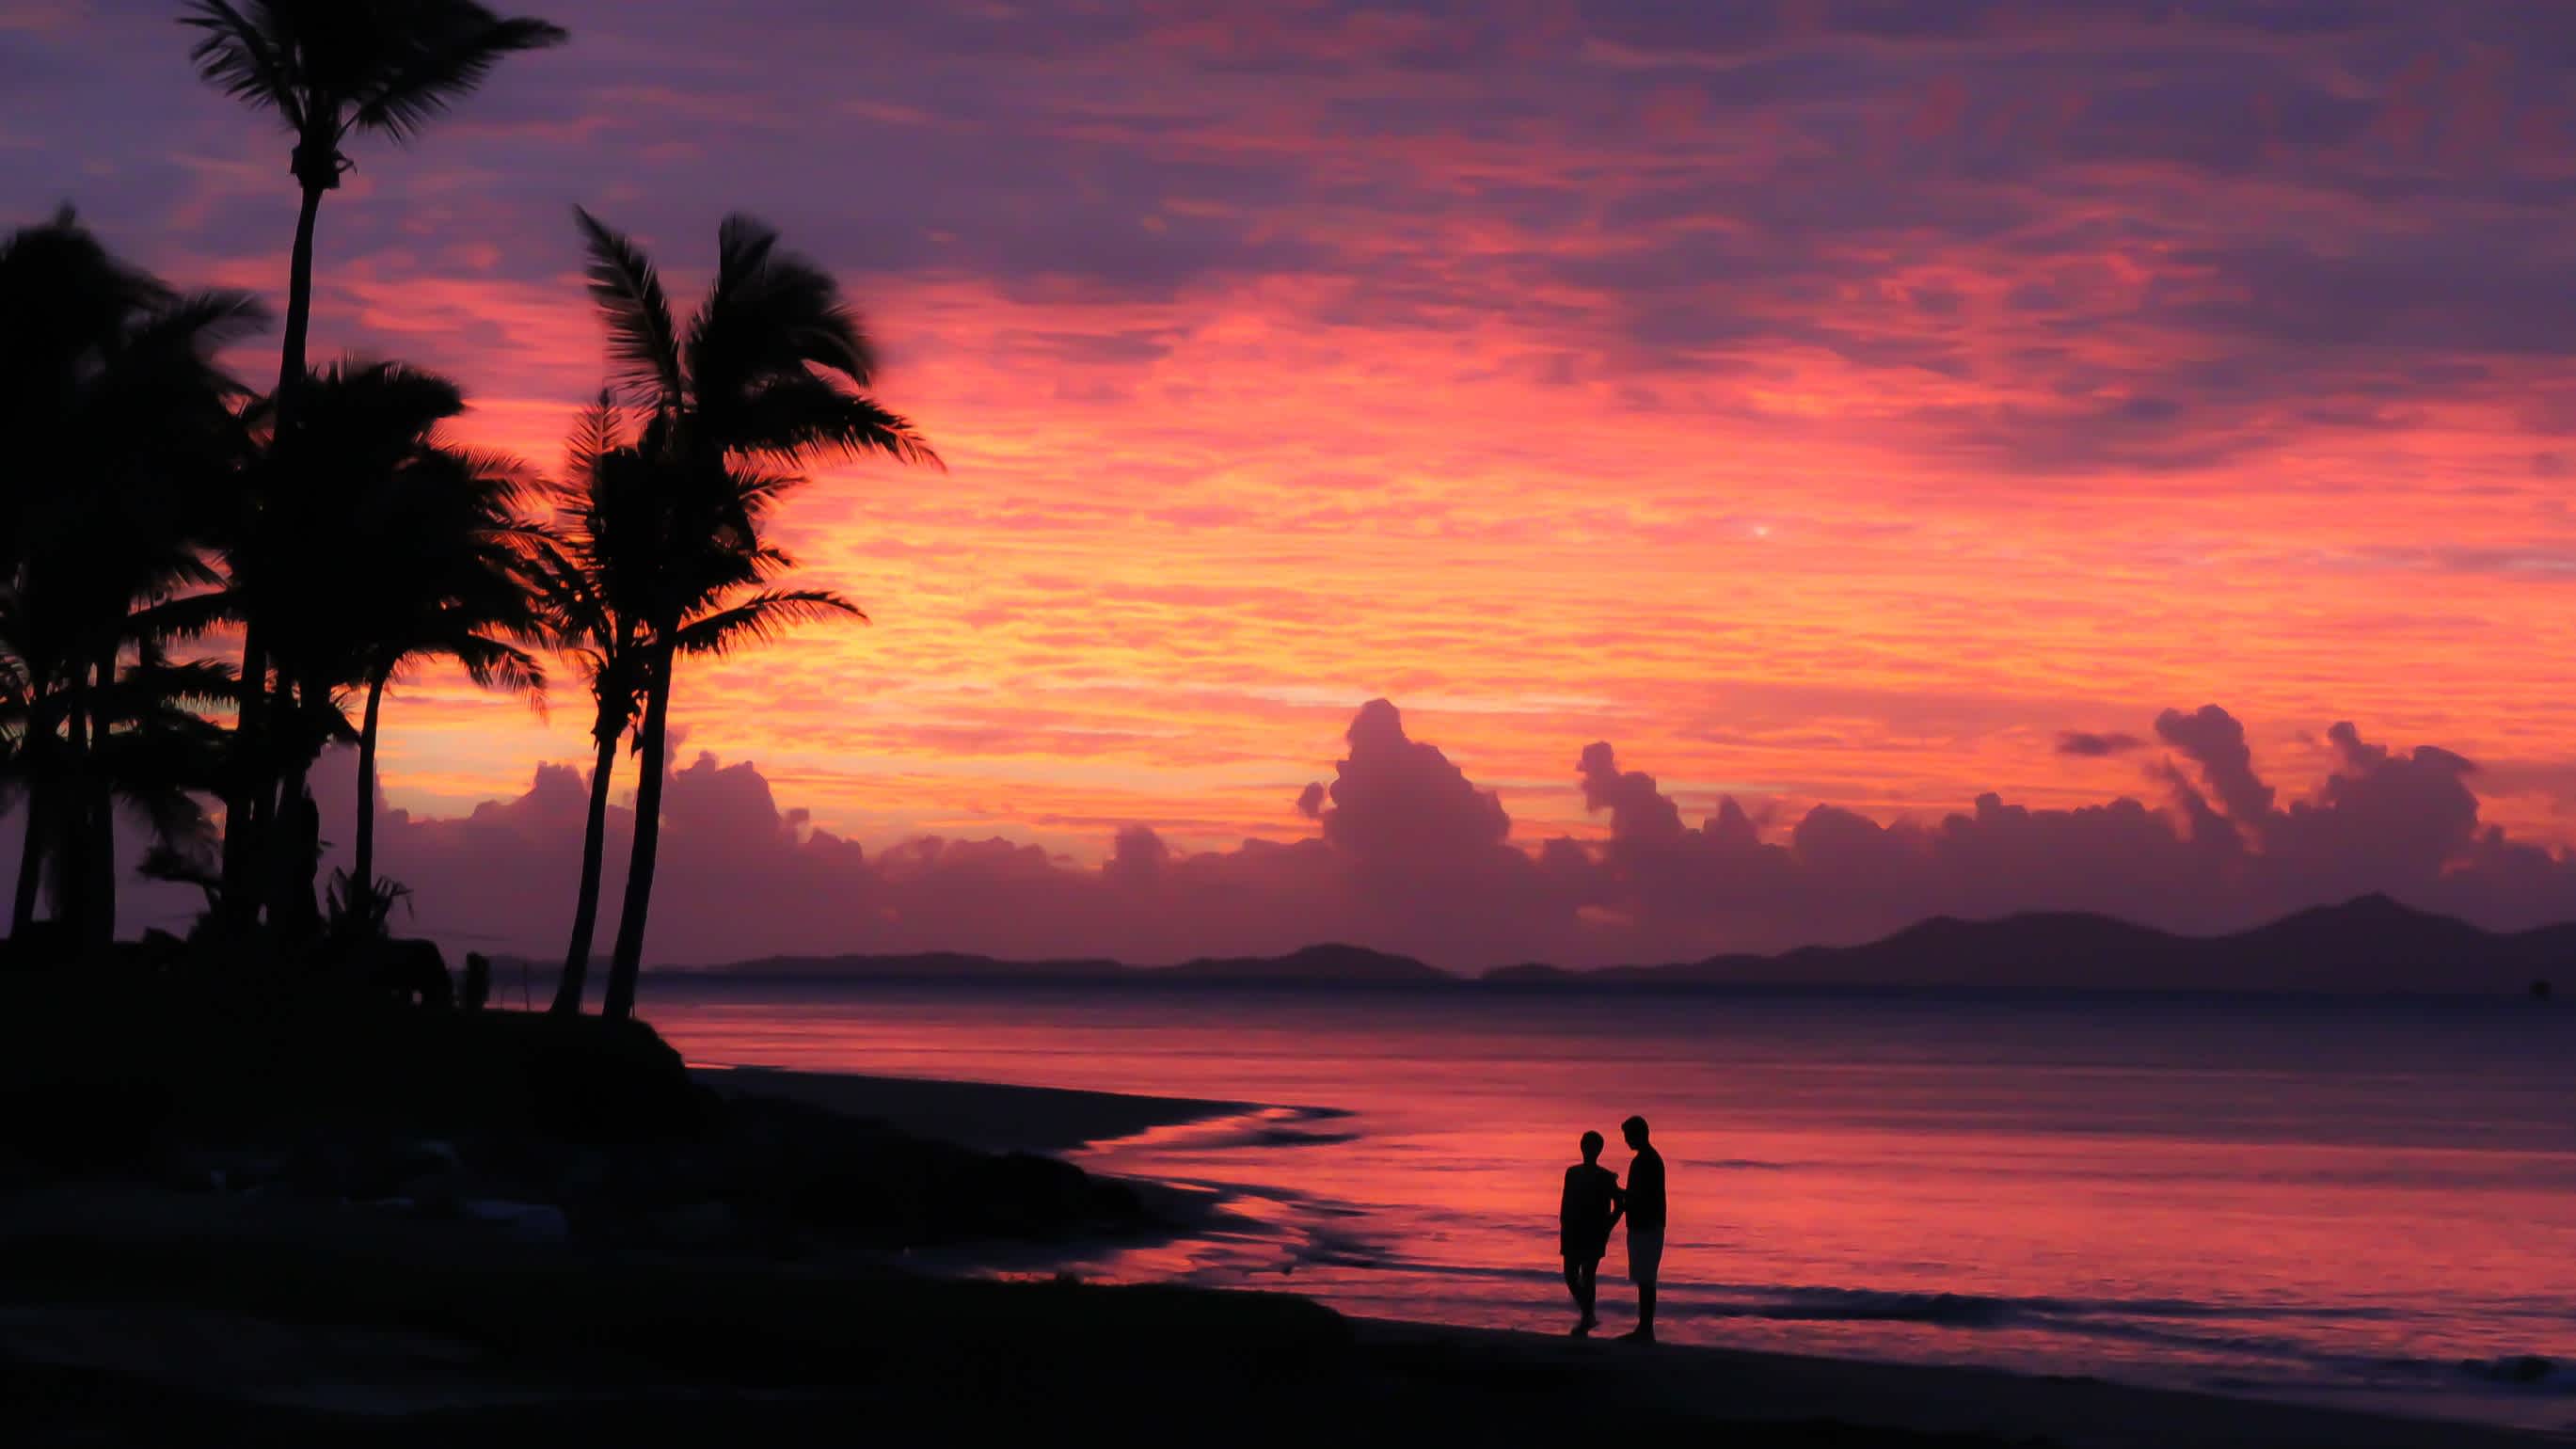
x,y
1583,1221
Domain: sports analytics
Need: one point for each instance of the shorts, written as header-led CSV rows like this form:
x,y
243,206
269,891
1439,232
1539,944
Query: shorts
x,y
1645,1253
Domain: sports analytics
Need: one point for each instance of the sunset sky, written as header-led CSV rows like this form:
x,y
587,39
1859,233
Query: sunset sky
x,y
1821,403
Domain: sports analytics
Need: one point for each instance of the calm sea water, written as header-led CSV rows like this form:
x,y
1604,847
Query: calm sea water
x,y
2364,1203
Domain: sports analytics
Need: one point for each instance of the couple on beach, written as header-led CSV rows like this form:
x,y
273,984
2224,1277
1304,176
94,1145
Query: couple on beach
x,y
1594,1203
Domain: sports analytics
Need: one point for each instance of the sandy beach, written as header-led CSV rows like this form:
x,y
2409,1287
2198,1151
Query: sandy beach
x,y
1696,1383
135,1311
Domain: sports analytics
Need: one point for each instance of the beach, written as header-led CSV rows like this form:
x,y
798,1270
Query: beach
x,y
2347,1204
136,1311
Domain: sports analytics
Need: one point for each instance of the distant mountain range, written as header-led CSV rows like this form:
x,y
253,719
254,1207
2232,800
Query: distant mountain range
x,y
2368,945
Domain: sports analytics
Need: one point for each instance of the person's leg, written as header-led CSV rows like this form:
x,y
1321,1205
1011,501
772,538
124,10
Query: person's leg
x,y
1574,1281
1587,1293
1645,1260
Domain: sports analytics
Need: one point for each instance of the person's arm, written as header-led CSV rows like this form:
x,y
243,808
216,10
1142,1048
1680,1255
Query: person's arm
x,y
1618,1205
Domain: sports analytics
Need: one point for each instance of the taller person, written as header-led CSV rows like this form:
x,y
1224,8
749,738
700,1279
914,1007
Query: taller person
x,y
1645,1203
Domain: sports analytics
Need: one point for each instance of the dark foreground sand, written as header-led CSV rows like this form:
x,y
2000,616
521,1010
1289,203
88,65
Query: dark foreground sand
x,y
139,1315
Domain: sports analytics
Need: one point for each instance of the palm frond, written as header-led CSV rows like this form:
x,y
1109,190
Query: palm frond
x,y
628,292
204,323
807,413
597,433
771,314
448,60
759,619
144,690
239,58
492,664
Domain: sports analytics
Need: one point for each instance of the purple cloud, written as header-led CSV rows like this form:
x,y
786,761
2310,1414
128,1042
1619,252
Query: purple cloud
x,y
1413,856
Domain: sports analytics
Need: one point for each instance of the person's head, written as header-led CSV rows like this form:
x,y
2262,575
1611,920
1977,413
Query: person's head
x,y
1634,1129
1591,1146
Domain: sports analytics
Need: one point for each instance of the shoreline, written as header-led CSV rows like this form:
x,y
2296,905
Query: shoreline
x,y
320,1324
152,1311
1766,1384
987,1116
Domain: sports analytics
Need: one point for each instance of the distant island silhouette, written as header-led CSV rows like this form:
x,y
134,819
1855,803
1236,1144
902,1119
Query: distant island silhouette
x,y
2368,945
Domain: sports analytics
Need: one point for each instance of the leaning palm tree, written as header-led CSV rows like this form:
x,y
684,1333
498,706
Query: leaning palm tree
x,y
589,576
772,370
724,603
331,69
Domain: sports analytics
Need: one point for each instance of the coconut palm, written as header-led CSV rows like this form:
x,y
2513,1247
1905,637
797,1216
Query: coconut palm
x,y
589,582
454,585
123,437
389,547
724,603
331,69
771,371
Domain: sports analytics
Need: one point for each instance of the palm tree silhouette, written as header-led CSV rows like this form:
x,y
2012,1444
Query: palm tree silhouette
x,y
771,370
330,69
622,544
591,575
123,431
387,547
451,581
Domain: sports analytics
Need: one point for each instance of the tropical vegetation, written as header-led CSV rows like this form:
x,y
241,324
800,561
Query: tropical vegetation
x,y
335,537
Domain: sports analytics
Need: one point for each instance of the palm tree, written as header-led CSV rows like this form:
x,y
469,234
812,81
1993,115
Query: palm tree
x,y
122,433
772,370
389,548
156,754
725,606
454,585
331,69
589,581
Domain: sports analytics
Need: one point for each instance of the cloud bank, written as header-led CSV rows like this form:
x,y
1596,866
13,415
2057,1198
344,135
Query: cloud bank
x,y
1408,853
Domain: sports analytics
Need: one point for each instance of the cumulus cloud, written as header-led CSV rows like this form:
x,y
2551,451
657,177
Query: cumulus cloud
x,y
1398,802
2212,739
1410,854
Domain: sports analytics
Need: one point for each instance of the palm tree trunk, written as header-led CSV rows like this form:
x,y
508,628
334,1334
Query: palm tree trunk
x,y
71,842
362,873
299,303
240,901
288,914
40,811
594,846
627,962
31,859
250,778
100,860
287,835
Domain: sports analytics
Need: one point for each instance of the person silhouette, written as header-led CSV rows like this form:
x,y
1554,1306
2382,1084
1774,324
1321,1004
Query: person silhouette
x,y
1644,1201
1583,1221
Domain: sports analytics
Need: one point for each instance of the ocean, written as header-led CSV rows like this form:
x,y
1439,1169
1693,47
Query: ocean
x,y
2369,1203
